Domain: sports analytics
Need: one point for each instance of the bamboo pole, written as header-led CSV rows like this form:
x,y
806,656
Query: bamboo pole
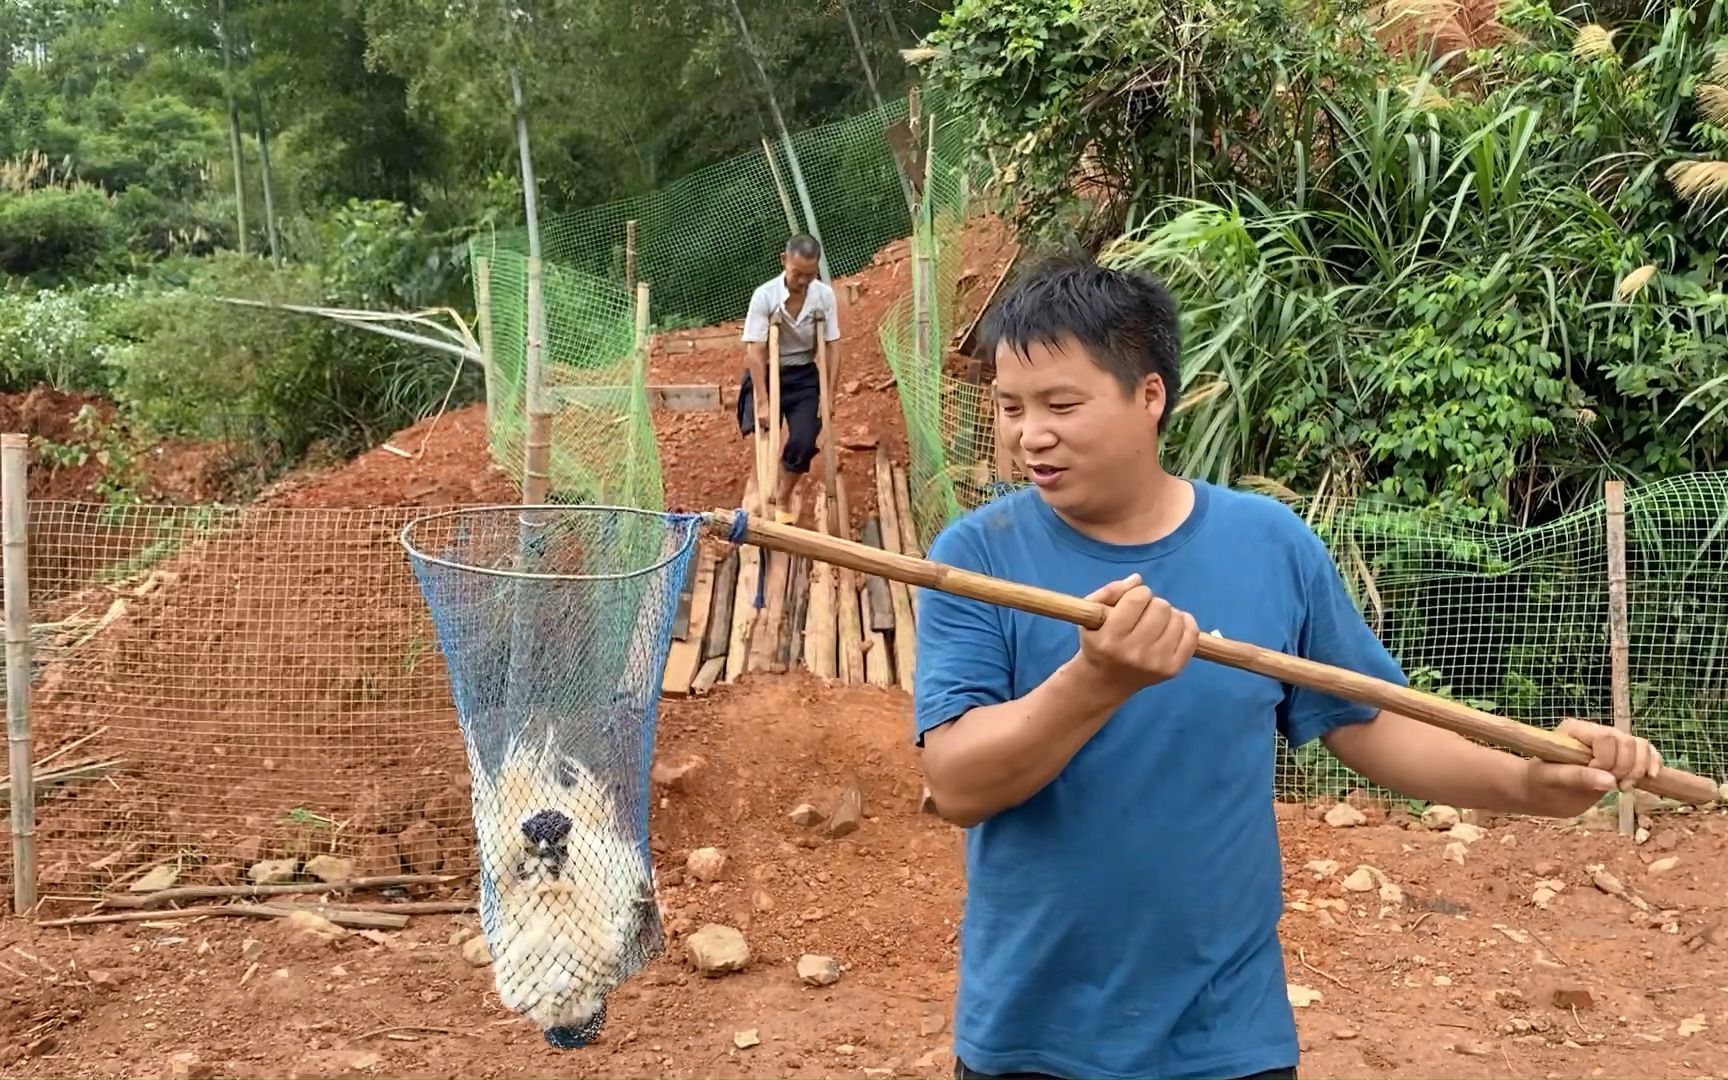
x,y
537,452
785,138
638,391
780,187
630,253
1614,494
1353,686
15,530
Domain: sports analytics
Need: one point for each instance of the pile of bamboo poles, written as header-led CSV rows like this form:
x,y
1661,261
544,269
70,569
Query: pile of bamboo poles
x,y
832,621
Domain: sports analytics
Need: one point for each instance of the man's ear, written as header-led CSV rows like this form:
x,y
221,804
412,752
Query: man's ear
x,y
1152,395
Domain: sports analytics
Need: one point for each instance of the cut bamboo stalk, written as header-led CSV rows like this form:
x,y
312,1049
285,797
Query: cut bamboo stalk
x,y
483,313
684,658
850,622
720,607
905,634
537,450
630,253
825,379
686,597
211,892
37,784
1614,495
14,539
819,655
909,543
352,918
1296,670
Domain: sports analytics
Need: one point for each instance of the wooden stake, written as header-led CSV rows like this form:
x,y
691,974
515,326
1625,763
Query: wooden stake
x,y
819,655
720,607
850,623
797,605
744,600
712,668
766,637
537,449
1420,705
14,537
1614,494
878,612
684,658
905,634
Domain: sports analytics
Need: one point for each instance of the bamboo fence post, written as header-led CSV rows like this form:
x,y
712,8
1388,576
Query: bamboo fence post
x,y
483,315
639,388
14,507
630,253
1614,494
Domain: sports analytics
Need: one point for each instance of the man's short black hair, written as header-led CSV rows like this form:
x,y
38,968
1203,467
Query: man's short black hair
x,y
1126,319
804,246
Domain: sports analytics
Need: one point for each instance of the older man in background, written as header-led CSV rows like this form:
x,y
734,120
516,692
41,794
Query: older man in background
x,y
793,299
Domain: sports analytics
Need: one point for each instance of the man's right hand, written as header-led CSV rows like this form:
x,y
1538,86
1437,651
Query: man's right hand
x,y
1143,641
762,424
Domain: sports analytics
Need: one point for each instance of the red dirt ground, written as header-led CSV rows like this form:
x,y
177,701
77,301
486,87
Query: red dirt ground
x,y
288,617
173,470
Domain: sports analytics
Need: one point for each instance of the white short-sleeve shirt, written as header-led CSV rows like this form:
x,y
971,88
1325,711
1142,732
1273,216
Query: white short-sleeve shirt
x,y
797,335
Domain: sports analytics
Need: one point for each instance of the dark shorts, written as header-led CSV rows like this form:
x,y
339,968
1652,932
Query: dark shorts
x,y
800,409
963,1072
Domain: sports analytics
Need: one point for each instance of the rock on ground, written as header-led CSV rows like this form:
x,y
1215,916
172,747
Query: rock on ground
x,y
706,864
1345,816
1440,817
717,949
272,872
818,970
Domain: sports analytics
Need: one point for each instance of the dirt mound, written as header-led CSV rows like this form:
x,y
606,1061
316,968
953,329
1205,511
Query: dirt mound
x,y
69,461
441,461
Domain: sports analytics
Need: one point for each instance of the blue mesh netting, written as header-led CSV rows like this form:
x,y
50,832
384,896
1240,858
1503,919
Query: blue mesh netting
x,y
554,624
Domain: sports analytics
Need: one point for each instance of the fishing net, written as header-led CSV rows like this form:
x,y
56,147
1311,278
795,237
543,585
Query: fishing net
x,y
554,624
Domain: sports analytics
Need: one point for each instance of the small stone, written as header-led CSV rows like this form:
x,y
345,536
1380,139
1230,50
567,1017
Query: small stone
x,y
1391,894
1663,865
806,815
1322,868
1466,832
1302,996
1439,817
1456,851
1345,1034
1509,999
932,1024
1361,879
476,952
928,1061
706,864
272,872
186,1066
1546,869
761,902
680,775
329,868
1345,816
159,878
1472,1048
1691,1026
717,949
1442,980
316,925
818,970
1543,896
747,1038
251,949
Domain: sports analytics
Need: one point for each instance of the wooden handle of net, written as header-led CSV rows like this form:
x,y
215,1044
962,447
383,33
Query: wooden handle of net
x,y
1419,705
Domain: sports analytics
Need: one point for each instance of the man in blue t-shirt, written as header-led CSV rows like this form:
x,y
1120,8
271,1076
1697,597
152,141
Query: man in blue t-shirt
x,y
1122,864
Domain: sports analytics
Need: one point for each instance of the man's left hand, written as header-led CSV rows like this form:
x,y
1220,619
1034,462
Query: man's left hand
x,y
1618,759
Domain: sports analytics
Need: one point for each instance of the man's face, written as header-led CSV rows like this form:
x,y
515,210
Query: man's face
x,y
1072,429
800,271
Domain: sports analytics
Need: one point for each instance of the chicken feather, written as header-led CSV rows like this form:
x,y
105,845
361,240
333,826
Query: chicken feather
x,y
575,910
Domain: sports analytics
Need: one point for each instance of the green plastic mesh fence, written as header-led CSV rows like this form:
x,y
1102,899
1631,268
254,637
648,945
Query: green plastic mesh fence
x,y
595,379
1516,621
554,625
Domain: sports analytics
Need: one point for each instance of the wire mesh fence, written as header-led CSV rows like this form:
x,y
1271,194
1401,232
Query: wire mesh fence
x,y
221,694
217,690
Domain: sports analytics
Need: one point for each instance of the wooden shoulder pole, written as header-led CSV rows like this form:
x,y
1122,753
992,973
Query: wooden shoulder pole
x,y
15,529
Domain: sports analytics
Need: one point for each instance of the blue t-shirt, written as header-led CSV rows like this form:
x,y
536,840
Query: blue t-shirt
x,y
1122,922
